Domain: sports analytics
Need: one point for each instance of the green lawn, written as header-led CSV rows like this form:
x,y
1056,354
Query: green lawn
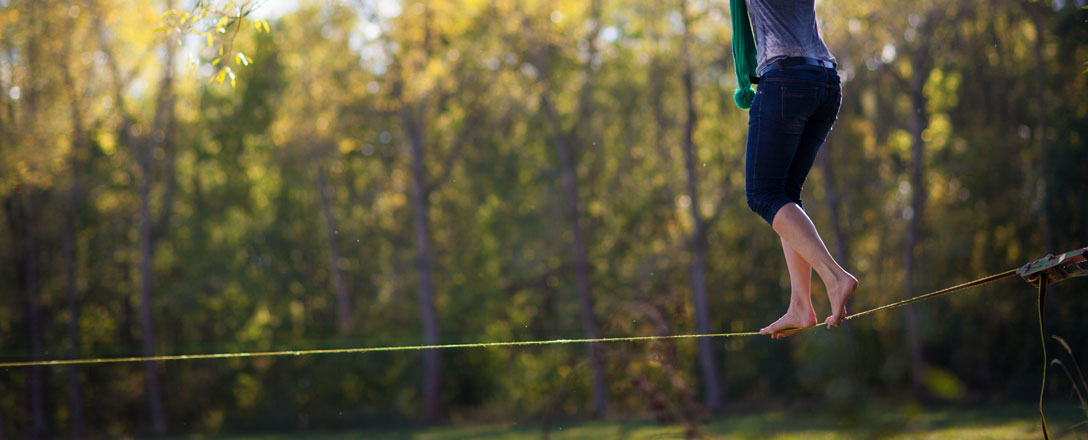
x,y
988,422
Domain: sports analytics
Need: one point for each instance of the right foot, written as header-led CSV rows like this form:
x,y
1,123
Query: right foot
x,y
838,295
794,319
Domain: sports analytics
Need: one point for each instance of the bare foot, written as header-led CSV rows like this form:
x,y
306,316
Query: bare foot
x,y
795,318
838,294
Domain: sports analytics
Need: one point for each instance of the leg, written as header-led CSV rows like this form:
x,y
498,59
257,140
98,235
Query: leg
x,y
793,225
800,313
771,150
794,221
783,139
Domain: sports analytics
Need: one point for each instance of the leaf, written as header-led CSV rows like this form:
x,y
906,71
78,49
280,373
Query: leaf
x,y
158,29
216,60
231,74
210,41
242,57
222,75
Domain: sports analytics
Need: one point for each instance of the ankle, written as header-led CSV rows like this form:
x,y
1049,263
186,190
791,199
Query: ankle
x,y
800,307
838,277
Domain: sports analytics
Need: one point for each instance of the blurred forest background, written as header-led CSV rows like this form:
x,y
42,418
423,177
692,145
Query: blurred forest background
x,y
243,177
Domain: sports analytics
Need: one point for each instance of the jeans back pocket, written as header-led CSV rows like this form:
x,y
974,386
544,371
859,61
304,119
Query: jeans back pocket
x,y
798,103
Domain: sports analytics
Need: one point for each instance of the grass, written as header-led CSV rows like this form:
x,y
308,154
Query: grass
x,y
987,422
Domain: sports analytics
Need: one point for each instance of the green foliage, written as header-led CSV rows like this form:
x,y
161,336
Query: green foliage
x,y
229,18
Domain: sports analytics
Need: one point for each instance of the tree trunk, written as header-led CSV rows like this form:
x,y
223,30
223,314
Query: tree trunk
x,y
75,405
154,395
918,122
342,300
581,260
834,202
23,222
22,208
831,195
160,134
708,366
36,380
413,126
412,114
1041,147
565,145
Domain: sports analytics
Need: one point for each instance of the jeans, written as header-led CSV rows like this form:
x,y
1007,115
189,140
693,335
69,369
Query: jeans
x,y
790,118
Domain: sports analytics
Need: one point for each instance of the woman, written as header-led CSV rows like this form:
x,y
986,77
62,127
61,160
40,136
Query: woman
x,y
792,111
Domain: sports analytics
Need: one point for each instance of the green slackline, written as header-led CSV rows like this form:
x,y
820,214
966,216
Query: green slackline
x,y
1040,280
180,357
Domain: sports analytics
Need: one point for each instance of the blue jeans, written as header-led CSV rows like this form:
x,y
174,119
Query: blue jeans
x,y
790,118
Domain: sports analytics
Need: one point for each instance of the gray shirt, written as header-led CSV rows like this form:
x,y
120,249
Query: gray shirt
x,y
786,28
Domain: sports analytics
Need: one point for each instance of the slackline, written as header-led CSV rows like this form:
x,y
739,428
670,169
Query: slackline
x,y
182,357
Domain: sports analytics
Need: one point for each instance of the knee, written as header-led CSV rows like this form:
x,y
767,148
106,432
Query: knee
x,y
767,203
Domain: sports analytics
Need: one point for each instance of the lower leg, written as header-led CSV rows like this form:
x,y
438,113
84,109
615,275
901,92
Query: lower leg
x,y
796,229
800,313
800,276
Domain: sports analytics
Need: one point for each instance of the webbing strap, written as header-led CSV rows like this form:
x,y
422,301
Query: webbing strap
x,y
180,357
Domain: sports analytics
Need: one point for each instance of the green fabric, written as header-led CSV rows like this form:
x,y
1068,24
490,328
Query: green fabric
x,y
744,53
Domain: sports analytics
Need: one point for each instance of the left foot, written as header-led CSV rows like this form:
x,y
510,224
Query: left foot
x,y
795,318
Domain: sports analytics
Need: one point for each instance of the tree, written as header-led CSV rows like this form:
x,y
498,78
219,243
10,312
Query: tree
x,y
157,141
566,143
413,117
712,389
80,143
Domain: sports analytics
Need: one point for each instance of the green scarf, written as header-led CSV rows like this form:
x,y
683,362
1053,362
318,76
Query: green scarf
x,y
744,53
